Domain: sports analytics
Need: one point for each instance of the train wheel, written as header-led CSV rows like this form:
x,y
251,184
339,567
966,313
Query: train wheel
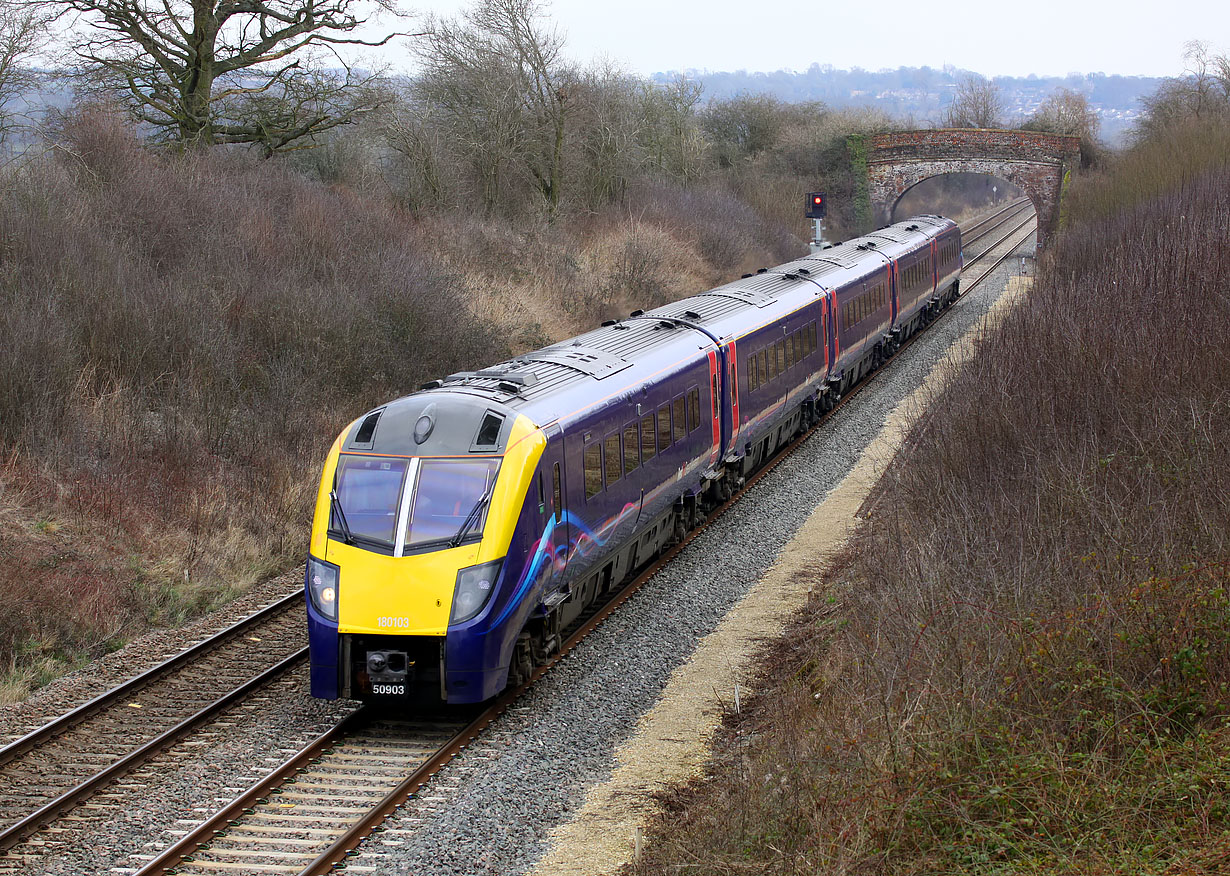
x,y
522,660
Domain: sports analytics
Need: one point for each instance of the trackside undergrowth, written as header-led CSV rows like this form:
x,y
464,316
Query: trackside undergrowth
x,y
1021,663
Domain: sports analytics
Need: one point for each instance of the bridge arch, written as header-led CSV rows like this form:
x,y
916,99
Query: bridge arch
x,y
1033,161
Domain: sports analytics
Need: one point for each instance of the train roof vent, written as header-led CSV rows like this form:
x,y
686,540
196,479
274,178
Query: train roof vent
x,y
747,296
367,430
588,360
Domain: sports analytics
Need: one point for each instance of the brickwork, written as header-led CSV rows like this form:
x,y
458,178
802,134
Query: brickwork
x,y
1036,162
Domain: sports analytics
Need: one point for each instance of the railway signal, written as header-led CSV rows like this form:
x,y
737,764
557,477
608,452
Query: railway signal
x,y
817,208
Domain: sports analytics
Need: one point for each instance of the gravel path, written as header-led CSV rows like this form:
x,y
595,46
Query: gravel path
x,y
493,808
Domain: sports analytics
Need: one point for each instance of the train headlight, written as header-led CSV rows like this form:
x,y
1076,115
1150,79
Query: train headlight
x,y
322,582
475,585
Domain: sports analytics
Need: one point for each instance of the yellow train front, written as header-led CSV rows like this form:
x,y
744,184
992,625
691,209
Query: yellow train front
x,y
418,505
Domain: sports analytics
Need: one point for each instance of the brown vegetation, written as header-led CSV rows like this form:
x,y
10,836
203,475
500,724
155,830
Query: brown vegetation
x,y
1022,663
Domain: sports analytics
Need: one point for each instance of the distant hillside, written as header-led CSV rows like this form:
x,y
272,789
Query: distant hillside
x,y
921,93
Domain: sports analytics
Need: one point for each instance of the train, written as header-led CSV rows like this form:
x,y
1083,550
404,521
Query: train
x,y
461,529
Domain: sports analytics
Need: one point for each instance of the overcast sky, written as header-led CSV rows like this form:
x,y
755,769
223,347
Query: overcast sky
x,y
994,37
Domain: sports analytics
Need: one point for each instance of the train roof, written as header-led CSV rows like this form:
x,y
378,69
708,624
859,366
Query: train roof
x,y
549,384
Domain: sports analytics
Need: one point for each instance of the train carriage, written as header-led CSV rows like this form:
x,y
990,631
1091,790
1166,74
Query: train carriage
x,y
460,529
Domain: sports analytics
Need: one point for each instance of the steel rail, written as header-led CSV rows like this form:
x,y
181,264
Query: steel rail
x,y
38,819
122,691
983,224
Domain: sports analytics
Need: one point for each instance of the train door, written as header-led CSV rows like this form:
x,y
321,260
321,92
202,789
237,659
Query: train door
x,y
894,291
934,262
731,391
556,524
715,412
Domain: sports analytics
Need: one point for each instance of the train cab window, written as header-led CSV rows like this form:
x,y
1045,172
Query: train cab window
x,y
680,430
766,373
649,447
488,431
557,493
593,470
614,459
664,427
693,408
632,448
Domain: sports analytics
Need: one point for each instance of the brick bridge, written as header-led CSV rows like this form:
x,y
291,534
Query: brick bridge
x,y
1035,162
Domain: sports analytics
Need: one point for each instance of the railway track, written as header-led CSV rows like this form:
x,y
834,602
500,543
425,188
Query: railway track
x,y
309,813
50,770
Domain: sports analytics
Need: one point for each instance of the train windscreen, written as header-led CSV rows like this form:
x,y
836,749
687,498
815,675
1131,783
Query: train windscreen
x,y
368,493
450,500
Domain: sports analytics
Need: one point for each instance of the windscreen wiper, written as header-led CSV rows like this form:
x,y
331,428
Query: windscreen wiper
x,y
336,504
473,516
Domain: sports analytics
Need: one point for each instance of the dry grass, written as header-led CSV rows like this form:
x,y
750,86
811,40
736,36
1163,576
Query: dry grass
x,y
1022,663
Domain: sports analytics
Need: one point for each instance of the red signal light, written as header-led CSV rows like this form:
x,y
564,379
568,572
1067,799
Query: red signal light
x,y
816,205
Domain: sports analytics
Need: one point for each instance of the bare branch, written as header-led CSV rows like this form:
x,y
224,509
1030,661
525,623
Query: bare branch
x,y
206,64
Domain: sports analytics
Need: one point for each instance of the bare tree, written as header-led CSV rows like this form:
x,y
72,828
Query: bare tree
x,y
1065,112
976,104
205,72
671,134
23,29
497,76
1203,92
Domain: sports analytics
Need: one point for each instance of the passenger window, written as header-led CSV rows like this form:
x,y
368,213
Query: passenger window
x,y
766,373
693,408
542,496
781,356
751,373
680,429
614,459
789,344
557,494
649,449
797,340
664,427
593,470
713,397
632,448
